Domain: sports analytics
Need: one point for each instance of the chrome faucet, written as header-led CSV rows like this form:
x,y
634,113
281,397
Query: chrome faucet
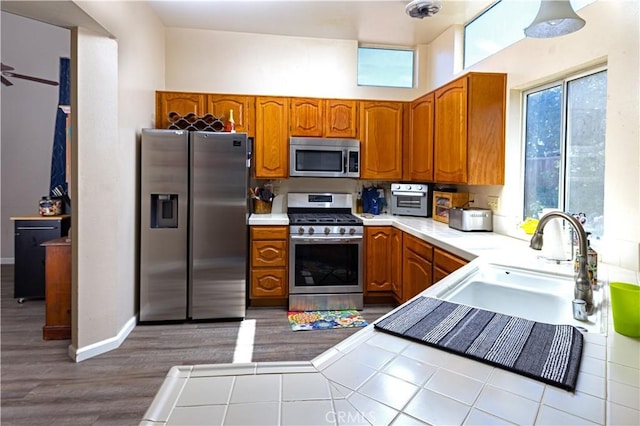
x,y
582,288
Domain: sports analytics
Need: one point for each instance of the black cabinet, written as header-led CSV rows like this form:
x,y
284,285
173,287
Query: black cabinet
x,y
30,233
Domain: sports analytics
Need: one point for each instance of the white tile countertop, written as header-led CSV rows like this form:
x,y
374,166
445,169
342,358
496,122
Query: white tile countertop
x,y
379,379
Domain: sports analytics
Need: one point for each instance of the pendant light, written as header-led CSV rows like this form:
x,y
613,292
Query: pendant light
x,y
555,18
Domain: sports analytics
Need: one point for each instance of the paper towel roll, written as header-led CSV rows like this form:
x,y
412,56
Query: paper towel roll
x,y
554,244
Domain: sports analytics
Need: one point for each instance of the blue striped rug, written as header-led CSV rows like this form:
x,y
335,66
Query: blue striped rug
x,y
545,352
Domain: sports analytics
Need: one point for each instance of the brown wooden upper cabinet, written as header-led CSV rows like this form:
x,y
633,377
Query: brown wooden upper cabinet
x,y
330,118
340,118
469,141
181,103
242,106
381,139
271,147
419,160
306,117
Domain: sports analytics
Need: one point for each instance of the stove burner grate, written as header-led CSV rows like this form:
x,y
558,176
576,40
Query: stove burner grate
x,y
323,218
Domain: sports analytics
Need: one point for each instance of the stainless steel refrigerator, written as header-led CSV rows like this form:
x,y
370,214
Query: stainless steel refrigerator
x,y
193,236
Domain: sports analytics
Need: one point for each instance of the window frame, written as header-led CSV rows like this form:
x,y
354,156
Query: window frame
x,y
563,82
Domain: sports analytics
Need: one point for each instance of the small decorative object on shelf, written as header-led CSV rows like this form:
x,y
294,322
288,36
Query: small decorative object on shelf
x,y
231,124
50,206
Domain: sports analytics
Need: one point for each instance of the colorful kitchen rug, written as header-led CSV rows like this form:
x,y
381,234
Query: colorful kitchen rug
x,y
545,352
325,320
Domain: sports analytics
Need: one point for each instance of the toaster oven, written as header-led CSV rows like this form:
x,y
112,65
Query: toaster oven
x,y
411,199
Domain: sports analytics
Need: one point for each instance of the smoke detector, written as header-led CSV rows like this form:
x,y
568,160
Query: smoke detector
x,y
422,8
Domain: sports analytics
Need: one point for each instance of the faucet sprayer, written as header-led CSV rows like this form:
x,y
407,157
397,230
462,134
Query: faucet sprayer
x,y
582,288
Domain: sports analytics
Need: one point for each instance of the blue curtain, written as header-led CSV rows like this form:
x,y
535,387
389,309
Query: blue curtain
x,y
59,152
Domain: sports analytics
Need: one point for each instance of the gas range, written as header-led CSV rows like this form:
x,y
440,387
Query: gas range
x,y
325,252
322,215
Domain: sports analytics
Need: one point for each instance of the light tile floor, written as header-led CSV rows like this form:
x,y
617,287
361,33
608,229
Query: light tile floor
x,y
375,378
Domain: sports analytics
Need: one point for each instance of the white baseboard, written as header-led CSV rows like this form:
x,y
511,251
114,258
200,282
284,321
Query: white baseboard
x,y
104,346
7,260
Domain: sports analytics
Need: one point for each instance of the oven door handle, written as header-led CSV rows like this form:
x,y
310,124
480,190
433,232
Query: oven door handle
x,y
408,194
332,240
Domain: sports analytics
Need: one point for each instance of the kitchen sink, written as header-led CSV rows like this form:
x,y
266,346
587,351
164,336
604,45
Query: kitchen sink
x,y
533,295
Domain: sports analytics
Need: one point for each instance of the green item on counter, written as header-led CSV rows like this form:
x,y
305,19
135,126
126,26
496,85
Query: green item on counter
x,y
625,306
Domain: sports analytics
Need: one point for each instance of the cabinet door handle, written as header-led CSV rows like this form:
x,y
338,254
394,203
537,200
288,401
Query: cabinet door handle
x,y
35,228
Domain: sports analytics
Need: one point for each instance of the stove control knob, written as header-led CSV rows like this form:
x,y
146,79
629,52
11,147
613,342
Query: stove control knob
x,y
327,230
408,187
301,230
311,231
352,231
420,187
397,187
342,231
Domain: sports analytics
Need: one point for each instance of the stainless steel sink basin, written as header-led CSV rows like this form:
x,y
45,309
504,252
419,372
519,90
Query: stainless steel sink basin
x,y
537,296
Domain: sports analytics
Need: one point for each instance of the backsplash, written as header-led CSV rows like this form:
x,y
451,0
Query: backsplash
x,y
336,185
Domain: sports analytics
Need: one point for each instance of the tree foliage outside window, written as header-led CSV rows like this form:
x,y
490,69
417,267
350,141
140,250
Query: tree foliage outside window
x,y
564,135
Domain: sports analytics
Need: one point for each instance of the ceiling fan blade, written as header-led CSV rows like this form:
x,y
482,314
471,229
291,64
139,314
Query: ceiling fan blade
x,y
6,82
28,77
4,67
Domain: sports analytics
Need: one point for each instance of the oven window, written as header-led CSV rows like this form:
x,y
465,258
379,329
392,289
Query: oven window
x,y
409,202
319,161
326,265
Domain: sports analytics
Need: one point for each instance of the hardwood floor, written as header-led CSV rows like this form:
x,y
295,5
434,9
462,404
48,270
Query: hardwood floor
x,y
41,385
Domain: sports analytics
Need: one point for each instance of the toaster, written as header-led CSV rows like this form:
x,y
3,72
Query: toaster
x,y
471,219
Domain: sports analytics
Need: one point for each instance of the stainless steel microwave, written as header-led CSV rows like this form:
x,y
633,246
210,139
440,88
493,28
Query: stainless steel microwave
x,y
323,157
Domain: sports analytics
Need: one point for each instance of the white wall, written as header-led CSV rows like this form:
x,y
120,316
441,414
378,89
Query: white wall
x,y
611,36
224,62
116,83
95,224
28,118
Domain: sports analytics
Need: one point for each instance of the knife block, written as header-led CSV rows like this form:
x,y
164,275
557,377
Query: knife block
x,y
261,207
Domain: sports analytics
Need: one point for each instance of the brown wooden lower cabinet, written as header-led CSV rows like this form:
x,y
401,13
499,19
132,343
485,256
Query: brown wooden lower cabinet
x,y
399,265
417,274
57,289
269,278
382,264
445,263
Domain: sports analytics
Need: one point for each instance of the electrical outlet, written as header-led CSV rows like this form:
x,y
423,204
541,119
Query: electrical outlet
x,y
494,203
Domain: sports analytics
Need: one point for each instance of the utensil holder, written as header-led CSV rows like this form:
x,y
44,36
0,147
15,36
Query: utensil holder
x,y
625,306
261,207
